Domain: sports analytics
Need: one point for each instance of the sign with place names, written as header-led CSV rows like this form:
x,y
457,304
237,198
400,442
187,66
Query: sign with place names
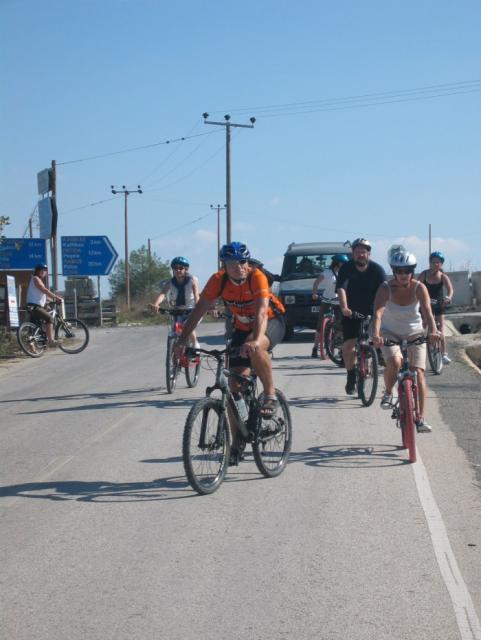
x,y
87,256
12,302
22,254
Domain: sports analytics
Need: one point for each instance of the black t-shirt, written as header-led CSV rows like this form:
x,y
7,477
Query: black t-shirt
x,y
360,286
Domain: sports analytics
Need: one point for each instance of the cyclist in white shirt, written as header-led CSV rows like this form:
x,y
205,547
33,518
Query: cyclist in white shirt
x,y
37,294
328,279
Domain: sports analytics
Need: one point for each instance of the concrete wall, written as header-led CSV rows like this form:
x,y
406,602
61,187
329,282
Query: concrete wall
x,y
462,288
476,285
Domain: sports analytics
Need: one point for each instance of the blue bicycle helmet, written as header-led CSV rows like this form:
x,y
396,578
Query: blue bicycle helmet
x,y
234,251
339,258
179,260
437,255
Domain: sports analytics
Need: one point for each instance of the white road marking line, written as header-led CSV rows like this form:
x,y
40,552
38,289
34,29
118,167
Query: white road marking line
x,y
466,617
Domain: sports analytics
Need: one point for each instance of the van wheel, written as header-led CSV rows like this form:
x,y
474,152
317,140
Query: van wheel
x,y
289,333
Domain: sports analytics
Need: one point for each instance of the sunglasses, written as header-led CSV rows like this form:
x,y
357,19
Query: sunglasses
x,y
179,268
403,271
236,262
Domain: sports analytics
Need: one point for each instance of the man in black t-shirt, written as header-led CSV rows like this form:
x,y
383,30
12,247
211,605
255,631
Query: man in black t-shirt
x,y
357,283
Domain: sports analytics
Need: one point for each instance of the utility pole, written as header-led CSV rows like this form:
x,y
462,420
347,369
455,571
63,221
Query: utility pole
x,y
53,238
228,124
126,193
219,209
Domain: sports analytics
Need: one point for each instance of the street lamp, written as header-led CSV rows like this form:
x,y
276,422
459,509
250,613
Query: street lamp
x,y
219,209
126,193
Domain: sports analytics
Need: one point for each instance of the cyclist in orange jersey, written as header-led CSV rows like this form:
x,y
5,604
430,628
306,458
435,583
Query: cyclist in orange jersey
x,y
258,316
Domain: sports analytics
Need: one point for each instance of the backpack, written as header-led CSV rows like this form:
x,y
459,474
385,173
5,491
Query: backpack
x,y
276,306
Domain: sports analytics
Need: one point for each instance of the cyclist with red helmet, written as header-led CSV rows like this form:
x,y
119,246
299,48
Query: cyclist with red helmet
x,y
328,279
437,282
357,283
257,316
181,291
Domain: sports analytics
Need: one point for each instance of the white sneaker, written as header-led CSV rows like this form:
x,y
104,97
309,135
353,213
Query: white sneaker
x,y
197,345
386,400
423,427
446,359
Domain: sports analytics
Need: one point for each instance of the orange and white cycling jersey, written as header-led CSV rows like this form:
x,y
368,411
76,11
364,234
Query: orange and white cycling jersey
x,y
240,298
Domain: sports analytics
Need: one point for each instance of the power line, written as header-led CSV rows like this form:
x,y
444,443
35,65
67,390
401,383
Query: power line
x,y
367,99
147,146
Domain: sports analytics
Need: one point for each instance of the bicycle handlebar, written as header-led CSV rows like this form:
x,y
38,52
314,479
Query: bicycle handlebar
x,y
192,352
392,343
333,301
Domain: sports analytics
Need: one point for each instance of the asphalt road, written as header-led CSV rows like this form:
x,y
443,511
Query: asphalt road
x,y
102,537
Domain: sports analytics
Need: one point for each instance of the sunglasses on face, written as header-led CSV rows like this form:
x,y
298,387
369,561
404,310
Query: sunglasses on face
x,y
402,271
237,262
179,268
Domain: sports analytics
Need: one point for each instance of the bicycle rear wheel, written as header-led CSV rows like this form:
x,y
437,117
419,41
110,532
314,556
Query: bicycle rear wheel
x,y
435,358
72,334
368,375
408,426
171,366
192,371
273,441
206,446
32,339
333,343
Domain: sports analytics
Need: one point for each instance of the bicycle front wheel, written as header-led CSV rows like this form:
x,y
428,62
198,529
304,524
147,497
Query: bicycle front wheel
x,y
72,335
368,375
192,371
408,426
206,446
333,343
273,441
32,339
171,366
435,358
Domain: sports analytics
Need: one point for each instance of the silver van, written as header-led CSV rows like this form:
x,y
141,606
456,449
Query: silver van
x,y
303,262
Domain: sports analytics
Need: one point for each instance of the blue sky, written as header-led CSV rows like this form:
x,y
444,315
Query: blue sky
x,y
86,78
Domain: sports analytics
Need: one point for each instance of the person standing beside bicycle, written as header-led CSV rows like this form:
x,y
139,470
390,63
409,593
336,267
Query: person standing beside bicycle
x,y
397,315
37,294
436,282
181,291
357,283
327,277
257,313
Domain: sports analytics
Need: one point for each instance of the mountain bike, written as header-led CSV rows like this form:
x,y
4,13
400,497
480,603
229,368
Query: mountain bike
x,y
406,408
191,365
71,334
367,366
206,445
435,353
331,332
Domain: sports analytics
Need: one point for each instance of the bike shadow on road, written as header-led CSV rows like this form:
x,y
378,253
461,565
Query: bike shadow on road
x,y
166,488
125,403
355,456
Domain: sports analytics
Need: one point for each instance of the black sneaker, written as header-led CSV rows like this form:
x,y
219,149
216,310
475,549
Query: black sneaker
x,y
351,383
315,353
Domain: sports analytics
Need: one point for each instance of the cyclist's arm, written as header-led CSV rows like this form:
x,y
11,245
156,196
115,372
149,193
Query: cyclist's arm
x,y
161,296
197,313
195,289
449,288
316,284
425,305
344,309
380,300
260,319
39,284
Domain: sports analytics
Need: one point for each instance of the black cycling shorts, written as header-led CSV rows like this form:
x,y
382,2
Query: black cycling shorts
x,y
276,328
350,328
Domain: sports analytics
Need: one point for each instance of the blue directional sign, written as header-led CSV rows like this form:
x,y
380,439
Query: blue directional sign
x,y
87,256
19,254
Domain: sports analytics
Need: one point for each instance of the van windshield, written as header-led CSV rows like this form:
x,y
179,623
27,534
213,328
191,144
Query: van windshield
x,y
305,266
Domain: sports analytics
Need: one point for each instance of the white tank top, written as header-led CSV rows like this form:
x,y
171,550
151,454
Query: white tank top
x,y
189,295
402,320
329,284
34,295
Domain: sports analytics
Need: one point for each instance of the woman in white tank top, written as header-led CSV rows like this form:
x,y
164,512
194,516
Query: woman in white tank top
x,y
397,314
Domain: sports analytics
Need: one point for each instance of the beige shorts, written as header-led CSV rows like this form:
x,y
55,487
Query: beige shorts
x,y
416,352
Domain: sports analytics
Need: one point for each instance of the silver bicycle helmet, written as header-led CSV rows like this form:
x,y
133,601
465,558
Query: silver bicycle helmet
x,y
403,260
